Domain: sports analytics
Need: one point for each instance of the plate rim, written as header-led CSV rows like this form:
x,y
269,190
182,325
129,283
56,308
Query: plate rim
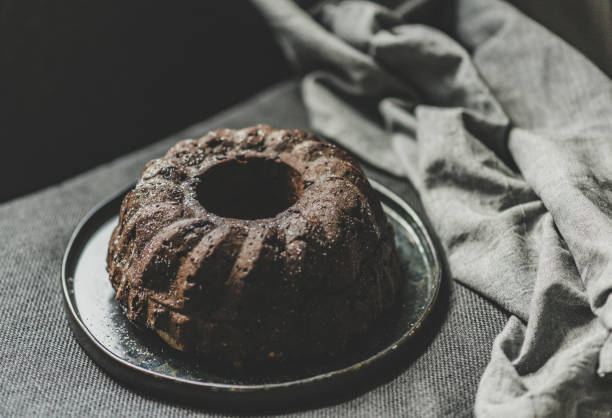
x,y
159,378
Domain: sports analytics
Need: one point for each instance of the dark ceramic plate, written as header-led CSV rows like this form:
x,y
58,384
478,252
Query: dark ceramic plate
x,y
139,358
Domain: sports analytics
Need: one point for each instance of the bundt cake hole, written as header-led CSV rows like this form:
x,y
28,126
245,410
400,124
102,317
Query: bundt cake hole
x,y
250,188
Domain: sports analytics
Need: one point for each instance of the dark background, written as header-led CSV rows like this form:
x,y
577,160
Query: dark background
x,y
82,82
85,81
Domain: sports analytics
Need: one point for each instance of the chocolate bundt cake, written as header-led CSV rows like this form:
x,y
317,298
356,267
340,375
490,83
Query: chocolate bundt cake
x,y
254,244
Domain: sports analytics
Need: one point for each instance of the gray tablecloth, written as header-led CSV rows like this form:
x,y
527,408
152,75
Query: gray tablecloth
x,y
44,372
506,131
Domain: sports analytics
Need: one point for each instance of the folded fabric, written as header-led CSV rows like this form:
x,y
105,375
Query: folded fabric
x,y
506,132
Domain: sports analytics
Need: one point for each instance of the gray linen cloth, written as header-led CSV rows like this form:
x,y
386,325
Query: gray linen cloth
x,y
506,132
